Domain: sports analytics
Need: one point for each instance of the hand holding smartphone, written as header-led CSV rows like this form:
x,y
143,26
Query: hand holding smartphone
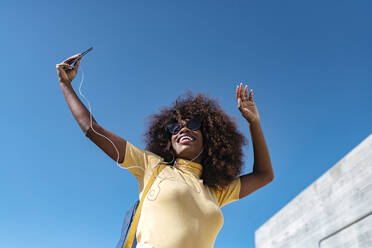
x,y
68,68
72,62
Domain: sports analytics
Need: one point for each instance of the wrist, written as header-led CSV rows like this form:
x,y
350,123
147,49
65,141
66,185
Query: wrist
x,y
254,123
63,84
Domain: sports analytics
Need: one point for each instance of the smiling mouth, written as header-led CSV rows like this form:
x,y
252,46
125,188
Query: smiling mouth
x,y
186,139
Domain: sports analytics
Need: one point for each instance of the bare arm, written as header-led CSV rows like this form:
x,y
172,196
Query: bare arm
x,y
66,74
262,169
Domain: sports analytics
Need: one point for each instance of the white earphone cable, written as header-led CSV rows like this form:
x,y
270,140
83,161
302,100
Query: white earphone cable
x,y
91,124
161,160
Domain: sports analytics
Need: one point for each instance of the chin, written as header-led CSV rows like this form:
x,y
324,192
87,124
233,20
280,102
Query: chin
x,y
189,155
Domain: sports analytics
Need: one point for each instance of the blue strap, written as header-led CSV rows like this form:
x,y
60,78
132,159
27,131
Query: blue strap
x,y
126,226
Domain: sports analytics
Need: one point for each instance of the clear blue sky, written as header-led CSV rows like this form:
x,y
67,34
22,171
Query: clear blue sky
x,y
309,64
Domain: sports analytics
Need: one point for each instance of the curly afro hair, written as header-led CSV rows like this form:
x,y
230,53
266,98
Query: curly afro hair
x,y
222,155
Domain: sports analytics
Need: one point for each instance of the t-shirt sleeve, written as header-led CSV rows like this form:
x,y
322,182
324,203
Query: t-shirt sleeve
x,y
229,194
140,163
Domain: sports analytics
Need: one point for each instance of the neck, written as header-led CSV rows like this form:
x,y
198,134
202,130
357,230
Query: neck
x,y
197,158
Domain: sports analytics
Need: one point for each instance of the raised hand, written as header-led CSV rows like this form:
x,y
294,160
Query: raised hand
x,y
67,72
246,104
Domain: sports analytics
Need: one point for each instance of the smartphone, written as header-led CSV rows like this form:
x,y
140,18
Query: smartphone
x,y
81,55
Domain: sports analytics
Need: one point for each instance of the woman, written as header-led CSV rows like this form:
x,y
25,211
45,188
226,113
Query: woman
x,y
203,149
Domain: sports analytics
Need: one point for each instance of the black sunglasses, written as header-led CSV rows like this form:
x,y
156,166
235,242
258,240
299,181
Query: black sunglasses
x,y
193,124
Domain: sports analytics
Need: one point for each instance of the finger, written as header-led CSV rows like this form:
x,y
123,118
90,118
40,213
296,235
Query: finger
x,y
70,59
246,91
76,66
67,66
61,72
239,102
251,95
237,92
241,91
63,67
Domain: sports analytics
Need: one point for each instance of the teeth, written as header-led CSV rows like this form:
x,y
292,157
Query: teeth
x,y
185,138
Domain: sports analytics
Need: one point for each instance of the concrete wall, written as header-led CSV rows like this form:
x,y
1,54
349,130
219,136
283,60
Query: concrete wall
x,y
334,211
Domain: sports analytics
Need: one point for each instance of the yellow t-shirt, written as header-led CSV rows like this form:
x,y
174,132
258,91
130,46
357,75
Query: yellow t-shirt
x,y
178,211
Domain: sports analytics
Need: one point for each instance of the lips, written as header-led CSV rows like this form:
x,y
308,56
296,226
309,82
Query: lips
x,y
185,138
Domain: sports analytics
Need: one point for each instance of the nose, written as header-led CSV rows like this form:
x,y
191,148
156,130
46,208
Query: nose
x,y
183,126
184,129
